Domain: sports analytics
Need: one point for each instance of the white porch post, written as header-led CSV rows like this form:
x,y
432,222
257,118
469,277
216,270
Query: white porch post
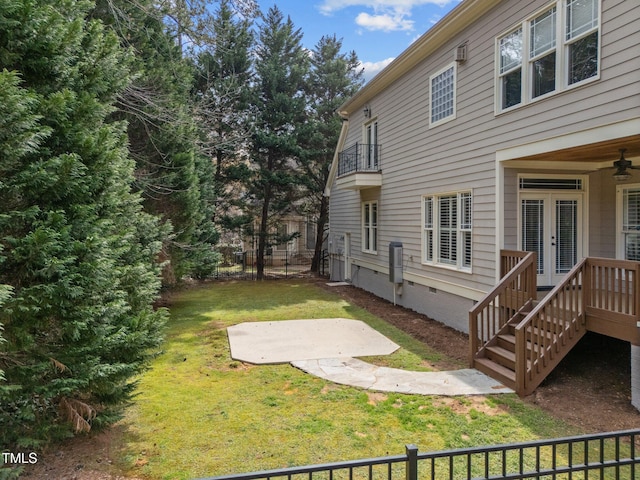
x,y
635,376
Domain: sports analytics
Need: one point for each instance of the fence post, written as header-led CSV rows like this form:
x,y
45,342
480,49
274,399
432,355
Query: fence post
x,y
412,462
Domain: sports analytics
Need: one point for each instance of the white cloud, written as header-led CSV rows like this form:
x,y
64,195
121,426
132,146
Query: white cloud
x,y
327,7
385,22
388,15
371,69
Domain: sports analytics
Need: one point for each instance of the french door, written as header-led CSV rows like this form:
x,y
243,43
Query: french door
x,y
551,226
371,141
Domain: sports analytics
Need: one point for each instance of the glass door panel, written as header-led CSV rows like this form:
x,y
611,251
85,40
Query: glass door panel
x,y
566,235
551,226
532,231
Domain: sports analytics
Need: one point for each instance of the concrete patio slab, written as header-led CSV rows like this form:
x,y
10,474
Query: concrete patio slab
x,y
351,371
290,340
325,347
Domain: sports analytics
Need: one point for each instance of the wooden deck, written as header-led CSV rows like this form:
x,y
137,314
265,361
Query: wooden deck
x,y
520,340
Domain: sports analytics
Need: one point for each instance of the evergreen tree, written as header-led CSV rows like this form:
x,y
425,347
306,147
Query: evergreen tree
x,y
163,136
190,21
79,251
222,86
332,79
279,102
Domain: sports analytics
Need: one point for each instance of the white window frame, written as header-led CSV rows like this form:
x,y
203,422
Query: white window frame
x,y
534,57
451,116
510,68
567,42
370,226
561,45
621,231
434,225
370,157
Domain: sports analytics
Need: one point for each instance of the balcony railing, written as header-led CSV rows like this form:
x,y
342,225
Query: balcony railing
x,y
361,157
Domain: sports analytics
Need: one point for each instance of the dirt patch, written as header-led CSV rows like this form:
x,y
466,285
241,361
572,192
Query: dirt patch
x,y
87,457
590,389
465,406
374,398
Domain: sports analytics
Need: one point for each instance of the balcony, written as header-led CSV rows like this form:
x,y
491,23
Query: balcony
x,y
359,167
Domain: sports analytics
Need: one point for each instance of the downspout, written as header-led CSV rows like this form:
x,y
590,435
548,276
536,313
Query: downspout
x,y
334,164
332,176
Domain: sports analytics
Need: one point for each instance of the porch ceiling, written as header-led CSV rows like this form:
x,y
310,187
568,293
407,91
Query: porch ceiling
x,y
592,156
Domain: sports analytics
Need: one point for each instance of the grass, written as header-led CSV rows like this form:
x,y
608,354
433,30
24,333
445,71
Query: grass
x,y
199,413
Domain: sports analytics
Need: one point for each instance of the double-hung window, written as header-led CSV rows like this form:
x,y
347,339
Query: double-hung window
x,y
447,230
549,52
510,74
581,39
370,227
442,87
542,53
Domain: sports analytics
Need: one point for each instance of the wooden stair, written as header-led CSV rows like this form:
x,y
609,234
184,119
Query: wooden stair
x,y
498,358
519,342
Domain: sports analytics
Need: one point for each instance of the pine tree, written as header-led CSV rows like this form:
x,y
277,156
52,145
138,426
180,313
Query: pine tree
x,y
333,78
221,88
279,103
163,136
79,251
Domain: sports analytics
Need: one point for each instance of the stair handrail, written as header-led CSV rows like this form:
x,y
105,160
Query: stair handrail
x,y
522,274
550,350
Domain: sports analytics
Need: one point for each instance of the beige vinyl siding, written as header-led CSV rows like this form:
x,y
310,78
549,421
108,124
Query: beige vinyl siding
x,y
602,214
460,155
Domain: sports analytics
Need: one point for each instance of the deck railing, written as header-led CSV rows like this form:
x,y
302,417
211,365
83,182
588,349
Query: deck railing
x,y
612,301
598,294
509,259
517,287
602,455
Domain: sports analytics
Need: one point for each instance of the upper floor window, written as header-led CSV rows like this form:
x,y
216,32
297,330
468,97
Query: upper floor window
x,y
530,62
582,39
511,69
442,88
542,53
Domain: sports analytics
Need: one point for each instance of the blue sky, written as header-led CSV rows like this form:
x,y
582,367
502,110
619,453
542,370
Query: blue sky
x,y
378,30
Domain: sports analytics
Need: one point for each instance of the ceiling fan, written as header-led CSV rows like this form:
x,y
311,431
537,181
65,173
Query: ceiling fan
x,y
621,165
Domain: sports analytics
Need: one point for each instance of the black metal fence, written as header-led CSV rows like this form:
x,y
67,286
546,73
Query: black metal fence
x,y
613,455
278,264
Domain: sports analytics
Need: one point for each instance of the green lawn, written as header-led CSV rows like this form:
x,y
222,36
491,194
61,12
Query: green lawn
x,y
200,413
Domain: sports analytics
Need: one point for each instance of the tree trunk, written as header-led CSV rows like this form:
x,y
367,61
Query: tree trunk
x,y
320,224
263,233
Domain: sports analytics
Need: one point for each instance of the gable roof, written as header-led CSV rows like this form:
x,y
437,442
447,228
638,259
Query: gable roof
x,y
467,12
